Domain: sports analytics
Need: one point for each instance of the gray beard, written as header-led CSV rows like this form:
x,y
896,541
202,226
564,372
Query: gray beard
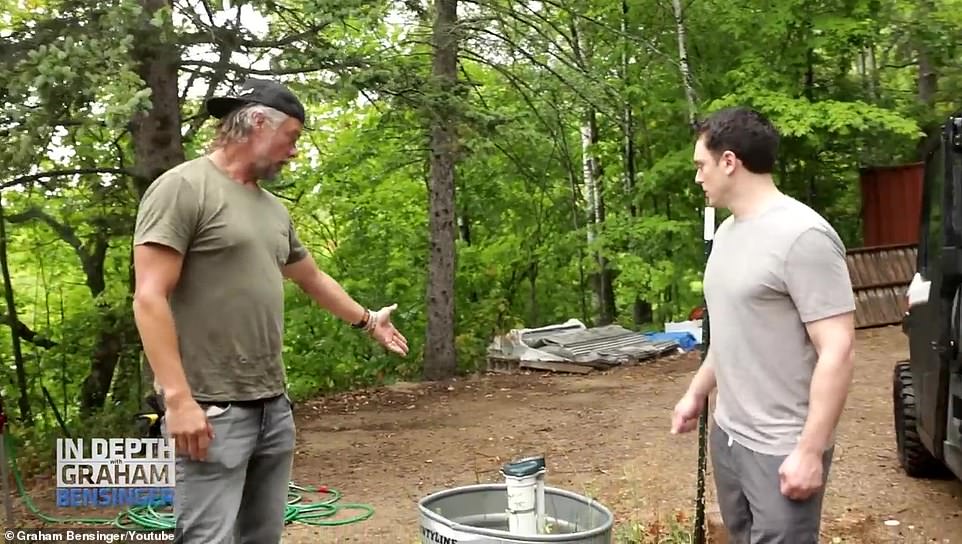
x,y
269,174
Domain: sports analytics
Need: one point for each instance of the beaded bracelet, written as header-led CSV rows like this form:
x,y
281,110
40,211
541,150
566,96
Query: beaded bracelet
x,y
371,321
368,322
362,324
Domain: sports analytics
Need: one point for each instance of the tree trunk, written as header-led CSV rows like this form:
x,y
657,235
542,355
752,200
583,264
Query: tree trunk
x,y
641,309
158,145
440,358
582,292
927,83
103,360
687,80
683,60
874,82
602,279
24,400
107,350
156,133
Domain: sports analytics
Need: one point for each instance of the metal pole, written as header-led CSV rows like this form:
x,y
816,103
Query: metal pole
x,y
699,536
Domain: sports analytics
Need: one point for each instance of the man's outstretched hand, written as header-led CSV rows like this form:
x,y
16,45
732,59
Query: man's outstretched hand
x,y
385,333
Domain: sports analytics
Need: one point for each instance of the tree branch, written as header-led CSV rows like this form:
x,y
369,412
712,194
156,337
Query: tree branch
x,y
212,83
60,173
230,34
613,30
65,232
356,63
26,333
510,12
91,260
287,40
555,52
560,78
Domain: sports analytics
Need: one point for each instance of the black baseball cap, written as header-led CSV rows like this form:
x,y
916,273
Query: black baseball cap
x,y
258,91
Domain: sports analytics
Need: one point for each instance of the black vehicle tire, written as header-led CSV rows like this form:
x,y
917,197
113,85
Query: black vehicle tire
x,y
915,459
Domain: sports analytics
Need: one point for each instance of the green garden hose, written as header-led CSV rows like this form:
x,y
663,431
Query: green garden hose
x,y
159,517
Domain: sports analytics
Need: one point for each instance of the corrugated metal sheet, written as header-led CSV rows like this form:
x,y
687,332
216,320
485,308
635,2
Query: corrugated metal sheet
x,y
891,204
609,342
880,277
573,347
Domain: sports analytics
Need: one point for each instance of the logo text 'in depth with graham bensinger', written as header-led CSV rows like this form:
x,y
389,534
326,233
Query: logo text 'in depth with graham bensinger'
x,y
115,471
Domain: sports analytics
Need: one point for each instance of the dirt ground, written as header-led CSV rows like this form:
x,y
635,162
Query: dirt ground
x,y
604,435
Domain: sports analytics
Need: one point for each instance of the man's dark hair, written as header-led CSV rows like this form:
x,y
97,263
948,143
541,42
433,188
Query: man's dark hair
x,y
746,133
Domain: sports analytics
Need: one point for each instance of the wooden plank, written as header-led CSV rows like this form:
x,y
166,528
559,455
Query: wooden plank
x,y
556,366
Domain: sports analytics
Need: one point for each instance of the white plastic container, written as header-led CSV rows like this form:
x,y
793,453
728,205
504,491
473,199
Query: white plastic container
x,y
525,489
692,326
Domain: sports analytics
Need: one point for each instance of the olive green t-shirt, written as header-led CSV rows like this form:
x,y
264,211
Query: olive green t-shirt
x,y
228,304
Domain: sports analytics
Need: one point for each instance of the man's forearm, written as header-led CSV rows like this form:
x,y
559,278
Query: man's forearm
x,y
704,381
332,297
155,322
828,392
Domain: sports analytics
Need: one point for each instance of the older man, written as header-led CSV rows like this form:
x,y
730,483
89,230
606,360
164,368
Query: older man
x,y
782,334
212,250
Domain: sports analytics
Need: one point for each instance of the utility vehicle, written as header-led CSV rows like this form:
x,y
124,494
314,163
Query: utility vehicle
x,y
927,389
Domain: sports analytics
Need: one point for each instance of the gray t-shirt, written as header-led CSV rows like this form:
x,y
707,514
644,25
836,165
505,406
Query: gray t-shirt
x,y
767,276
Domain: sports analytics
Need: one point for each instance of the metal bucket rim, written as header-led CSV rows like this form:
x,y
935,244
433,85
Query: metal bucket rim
x,y
605,527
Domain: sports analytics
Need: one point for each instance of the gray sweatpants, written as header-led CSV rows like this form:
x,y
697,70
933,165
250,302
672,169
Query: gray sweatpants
x,y
238,495
752,506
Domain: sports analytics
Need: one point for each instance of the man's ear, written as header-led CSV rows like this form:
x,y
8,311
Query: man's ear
x,y
728,162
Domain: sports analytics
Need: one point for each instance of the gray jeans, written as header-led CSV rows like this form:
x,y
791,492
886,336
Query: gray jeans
x,y
238,495
752,506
